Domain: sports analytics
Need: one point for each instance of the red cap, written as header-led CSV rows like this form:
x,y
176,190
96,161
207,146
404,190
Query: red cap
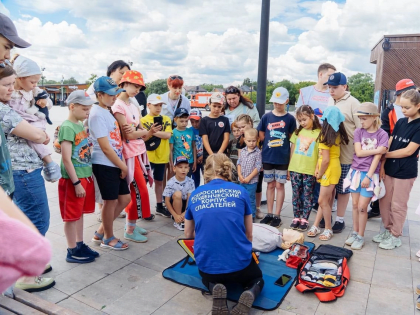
x,y
404,85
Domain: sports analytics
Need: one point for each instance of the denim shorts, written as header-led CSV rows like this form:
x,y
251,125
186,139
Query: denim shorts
x,y
362,191
31,197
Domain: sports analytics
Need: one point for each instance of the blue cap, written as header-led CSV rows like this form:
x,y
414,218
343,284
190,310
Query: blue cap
x,y
107,86
180,112
336,79
181,159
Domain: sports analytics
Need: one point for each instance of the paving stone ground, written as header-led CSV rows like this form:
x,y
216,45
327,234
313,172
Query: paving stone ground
x,y
130,282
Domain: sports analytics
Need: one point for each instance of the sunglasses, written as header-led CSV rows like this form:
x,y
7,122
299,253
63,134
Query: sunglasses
x,y
232,90
174,77
5,63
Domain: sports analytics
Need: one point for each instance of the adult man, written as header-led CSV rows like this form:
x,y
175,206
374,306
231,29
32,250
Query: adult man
x,y
317,97
347,104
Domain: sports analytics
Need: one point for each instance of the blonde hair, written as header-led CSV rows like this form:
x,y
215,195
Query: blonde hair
x,y
246,118
251,132
218,165
413,96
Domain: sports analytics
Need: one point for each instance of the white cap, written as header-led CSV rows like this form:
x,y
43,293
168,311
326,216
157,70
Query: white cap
x,y
280,96
155,99
25,67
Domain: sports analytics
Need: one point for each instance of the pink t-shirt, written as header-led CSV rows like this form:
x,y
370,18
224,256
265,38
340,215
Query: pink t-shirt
x,y
131,148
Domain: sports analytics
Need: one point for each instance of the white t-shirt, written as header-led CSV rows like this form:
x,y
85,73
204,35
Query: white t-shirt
x,y
318,100
186,187
103,124
168,110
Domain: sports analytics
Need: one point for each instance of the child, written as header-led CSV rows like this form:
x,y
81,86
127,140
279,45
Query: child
x,y
182,142
275,130
108,162
195,118
215,129
23,102
76,191
158,147
303,160
249,165
370,142
178,190
134,151
328,169
400,170
232,150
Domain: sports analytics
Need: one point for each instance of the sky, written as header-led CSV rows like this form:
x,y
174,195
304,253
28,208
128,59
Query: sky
x,y
208,41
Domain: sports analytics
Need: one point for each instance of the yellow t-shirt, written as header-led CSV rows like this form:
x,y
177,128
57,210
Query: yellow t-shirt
x,y
161,154
305,155
333,172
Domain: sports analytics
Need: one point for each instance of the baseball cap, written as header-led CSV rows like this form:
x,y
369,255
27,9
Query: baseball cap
x,y
79,97
8,30
107,85
195,114
135,77
180,112
336,79
367,109
180,159
280,96
217,98
155,99
404,85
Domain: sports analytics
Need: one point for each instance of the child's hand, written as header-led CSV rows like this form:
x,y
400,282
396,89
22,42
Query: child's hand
x,y
382,173
288,175
47,139
155,128
178,218
194,166
365,182
241,179
124,171
80,191
246,180
128,128
41,103
316,174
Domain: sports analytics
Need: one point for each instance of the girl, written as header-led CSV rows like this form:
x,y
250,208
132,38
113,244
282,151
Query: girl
x,y
303,160
134,151
328,169
370,142
400,171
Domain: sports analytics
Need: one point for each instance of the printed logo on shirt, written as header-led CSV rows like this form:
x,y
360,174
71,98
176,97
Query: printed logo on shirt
x,y
221,124
401,139
276,125
369,144
116,136
215,198
81,152
305,146
275,143
277,134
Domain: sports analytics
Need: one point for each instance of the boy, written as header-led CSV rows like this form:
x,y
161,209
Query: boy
x,y
177,191
215,129
275,129
195,118
76,189
157,147
108,164
249,166
182,142
233,150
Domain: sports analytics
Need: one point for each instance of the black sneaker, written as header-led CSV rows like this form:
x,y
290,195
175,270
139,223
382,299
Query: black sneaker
x,y
322,224
151,218
163,212
276,222
338,227
373,214
267,219
75,255
86,250
295,223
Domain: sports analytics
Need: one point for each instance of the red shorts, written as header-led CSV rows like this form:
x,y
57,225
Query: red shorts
x,y
72,207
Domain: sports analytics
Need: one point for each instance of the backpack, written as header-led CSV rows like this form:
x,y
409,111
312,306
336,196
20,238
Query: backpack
x,y
325,273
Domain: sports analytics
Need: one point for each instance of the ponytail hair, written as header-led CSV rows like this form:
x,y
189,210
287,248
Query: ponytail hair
x,y
413,96
218,165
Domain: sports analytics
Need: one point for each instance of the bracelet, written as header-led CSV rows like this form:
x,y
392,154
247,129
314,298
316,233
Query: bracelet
x,y
76,183
369,178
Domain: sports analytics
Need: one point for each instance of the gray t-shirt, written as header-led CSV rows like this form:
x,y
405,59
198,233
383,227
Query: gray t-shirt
x,y
185,187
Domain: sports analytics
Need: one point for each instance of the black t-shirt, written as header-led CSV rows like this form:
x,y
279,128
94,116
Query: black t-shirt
x,y
214,128
404,133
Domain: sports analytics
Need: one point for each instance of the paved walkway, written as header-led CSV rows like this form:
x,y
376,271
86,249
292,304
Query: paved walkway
x,y
130,282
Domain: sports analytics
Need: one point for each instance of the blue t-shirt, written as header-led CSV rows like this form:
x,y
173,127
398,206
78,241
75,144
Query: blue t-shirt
x,y
218,209
183,144
276,146
198,142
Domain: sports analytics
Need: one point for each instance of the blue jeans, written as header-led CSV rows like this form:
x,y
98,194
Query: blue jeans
x,y
196,175
251,189
31,197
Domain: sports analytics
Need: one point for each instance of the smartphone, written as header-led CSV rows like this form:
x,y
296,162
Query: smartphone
x,y
283,280
158,120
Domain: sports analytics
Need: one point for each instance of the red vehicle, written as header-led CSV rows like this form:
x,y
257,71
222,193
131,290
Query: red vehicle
x,y
200,100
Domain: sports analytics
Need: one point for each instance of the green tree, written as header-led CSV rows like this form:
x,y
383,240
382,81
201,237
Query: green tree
x,y
51,82
158,86
362,87
209,87
301,85
71,80
289,86
92,78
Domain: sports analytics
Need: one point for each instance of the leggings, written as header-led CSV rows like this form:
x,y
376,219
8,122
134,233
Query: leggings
x,y
302,184
139,206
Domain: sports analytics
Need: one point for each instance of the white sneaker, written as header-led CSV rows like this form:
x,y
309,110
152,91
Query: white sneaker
x,y
122,214
179,226
351,239
358,243
334,206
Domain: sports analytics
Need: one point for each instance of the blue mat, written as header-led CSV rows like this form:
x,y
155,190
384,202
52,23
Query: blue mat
x,y
271,295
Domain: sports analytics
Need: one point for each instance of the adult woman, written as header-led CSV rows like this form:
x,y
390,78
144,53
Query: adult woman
x,y
174,98
237,104
223,248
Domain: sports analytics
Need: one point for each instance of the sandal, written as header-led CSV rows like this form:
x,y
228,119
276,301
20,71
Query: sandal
x,y
326,235
98,239
117,246
313,231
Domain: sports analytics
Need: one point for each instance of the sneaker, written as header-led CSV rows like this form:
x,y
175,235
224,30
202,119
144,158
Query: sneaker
x,y
163,212
135,237
381,236
88,251
122,214
358,243
351,239
267,219
338,227
304,224
334,206
259,214
275,222
39,284
52,172
295,223
373,214
315,207
76,256
179,226
390,243
151,218
47,269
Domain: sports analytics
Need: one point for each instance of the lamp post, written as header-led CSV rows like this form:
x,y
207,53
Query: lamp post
x,y
62,91
42,76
